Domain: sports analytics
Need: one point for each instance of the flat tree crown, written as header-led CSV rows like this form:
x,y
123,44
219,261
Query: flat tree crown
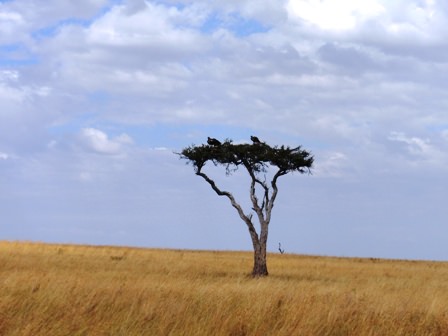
x,y
255,157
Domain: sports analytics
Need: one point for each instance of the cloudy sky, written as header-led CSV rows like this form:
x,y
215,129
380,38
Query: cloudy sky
x,y
96,95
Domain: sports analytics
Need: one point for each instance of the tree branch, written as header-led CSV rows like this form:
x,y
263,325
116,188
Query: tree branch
x,y
245,218
266,194
256,207
279,173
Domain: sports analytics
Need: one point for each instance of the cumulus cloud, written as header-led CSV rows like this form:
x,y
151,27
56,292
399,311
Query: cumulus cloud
x,y
333,165
415,145
13,24
332,15
398,19
126,26
99,142
419,145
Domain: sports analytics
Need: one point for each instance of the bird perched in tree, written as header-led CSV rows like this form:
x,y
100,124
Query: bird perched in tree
x,y
255,140
213,142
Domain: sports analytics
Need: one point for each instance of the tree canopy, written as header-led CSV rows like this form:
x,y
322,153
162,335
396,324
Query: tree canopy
x,y
257,157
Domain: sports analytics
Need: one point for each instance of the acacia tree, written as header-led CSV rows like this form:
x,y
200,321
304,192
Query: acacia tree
x,y
256,159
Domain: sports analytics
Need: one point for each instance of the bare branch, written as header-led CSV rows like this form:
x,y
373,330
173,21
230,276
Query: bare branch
x,y
247,219
270,205
266,193
256,207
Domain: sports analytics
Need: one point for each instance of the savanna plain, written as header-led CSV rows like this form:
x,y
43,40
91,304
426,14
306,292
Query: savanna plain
x,y
86,290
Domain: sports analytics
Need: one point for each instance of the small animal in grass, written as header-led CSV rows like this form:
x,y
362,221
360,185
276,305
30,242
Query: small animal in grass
x,y
280,248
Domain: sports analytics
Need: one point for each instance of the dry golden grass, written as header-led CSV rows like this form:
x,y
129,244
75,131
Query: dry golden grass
x,y
82,290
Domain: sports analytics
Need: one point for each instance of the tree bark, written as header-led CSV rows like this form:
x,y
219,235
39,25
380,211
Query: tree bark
x,y
260,266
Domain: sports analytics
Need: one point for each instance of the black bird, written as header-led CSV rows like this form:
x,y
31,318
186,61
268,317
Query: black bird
x,y
213,142
255,140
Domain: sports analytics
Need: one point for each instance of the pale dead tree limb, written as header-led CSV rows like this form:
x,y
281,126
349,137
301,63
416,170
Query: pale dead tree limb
x,y
246,218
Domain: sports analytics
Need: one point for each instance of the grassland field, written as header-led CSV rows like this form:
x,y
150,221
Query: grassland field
x,y
48,289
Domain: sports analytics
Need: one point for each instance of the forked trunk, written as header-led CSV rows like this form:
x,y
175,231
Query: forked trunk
x,y
260,266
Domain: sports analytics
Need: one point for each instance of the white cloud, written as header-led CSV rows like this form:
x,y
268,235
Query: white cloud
x,y
148,26
335,15
415,145
99,142
4,156
420,148
12,23
334,164
11,95
21,19
387,25
37,16
9,75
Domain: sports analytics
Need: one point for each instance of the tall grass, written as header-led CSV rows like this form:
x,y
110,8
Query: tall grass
x,y
85,290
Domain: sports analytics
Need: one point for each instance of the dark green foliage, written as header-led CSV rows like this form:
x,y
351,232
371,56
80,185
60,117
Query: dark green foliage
x,y
255,157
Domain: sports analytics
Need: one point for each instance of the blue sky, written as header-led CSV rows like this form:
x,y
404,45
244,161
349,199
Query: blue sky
x,y
95,97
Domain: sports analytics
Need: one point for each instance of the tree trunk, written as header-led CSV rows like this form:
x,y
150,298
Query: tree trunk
x,y
260,266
